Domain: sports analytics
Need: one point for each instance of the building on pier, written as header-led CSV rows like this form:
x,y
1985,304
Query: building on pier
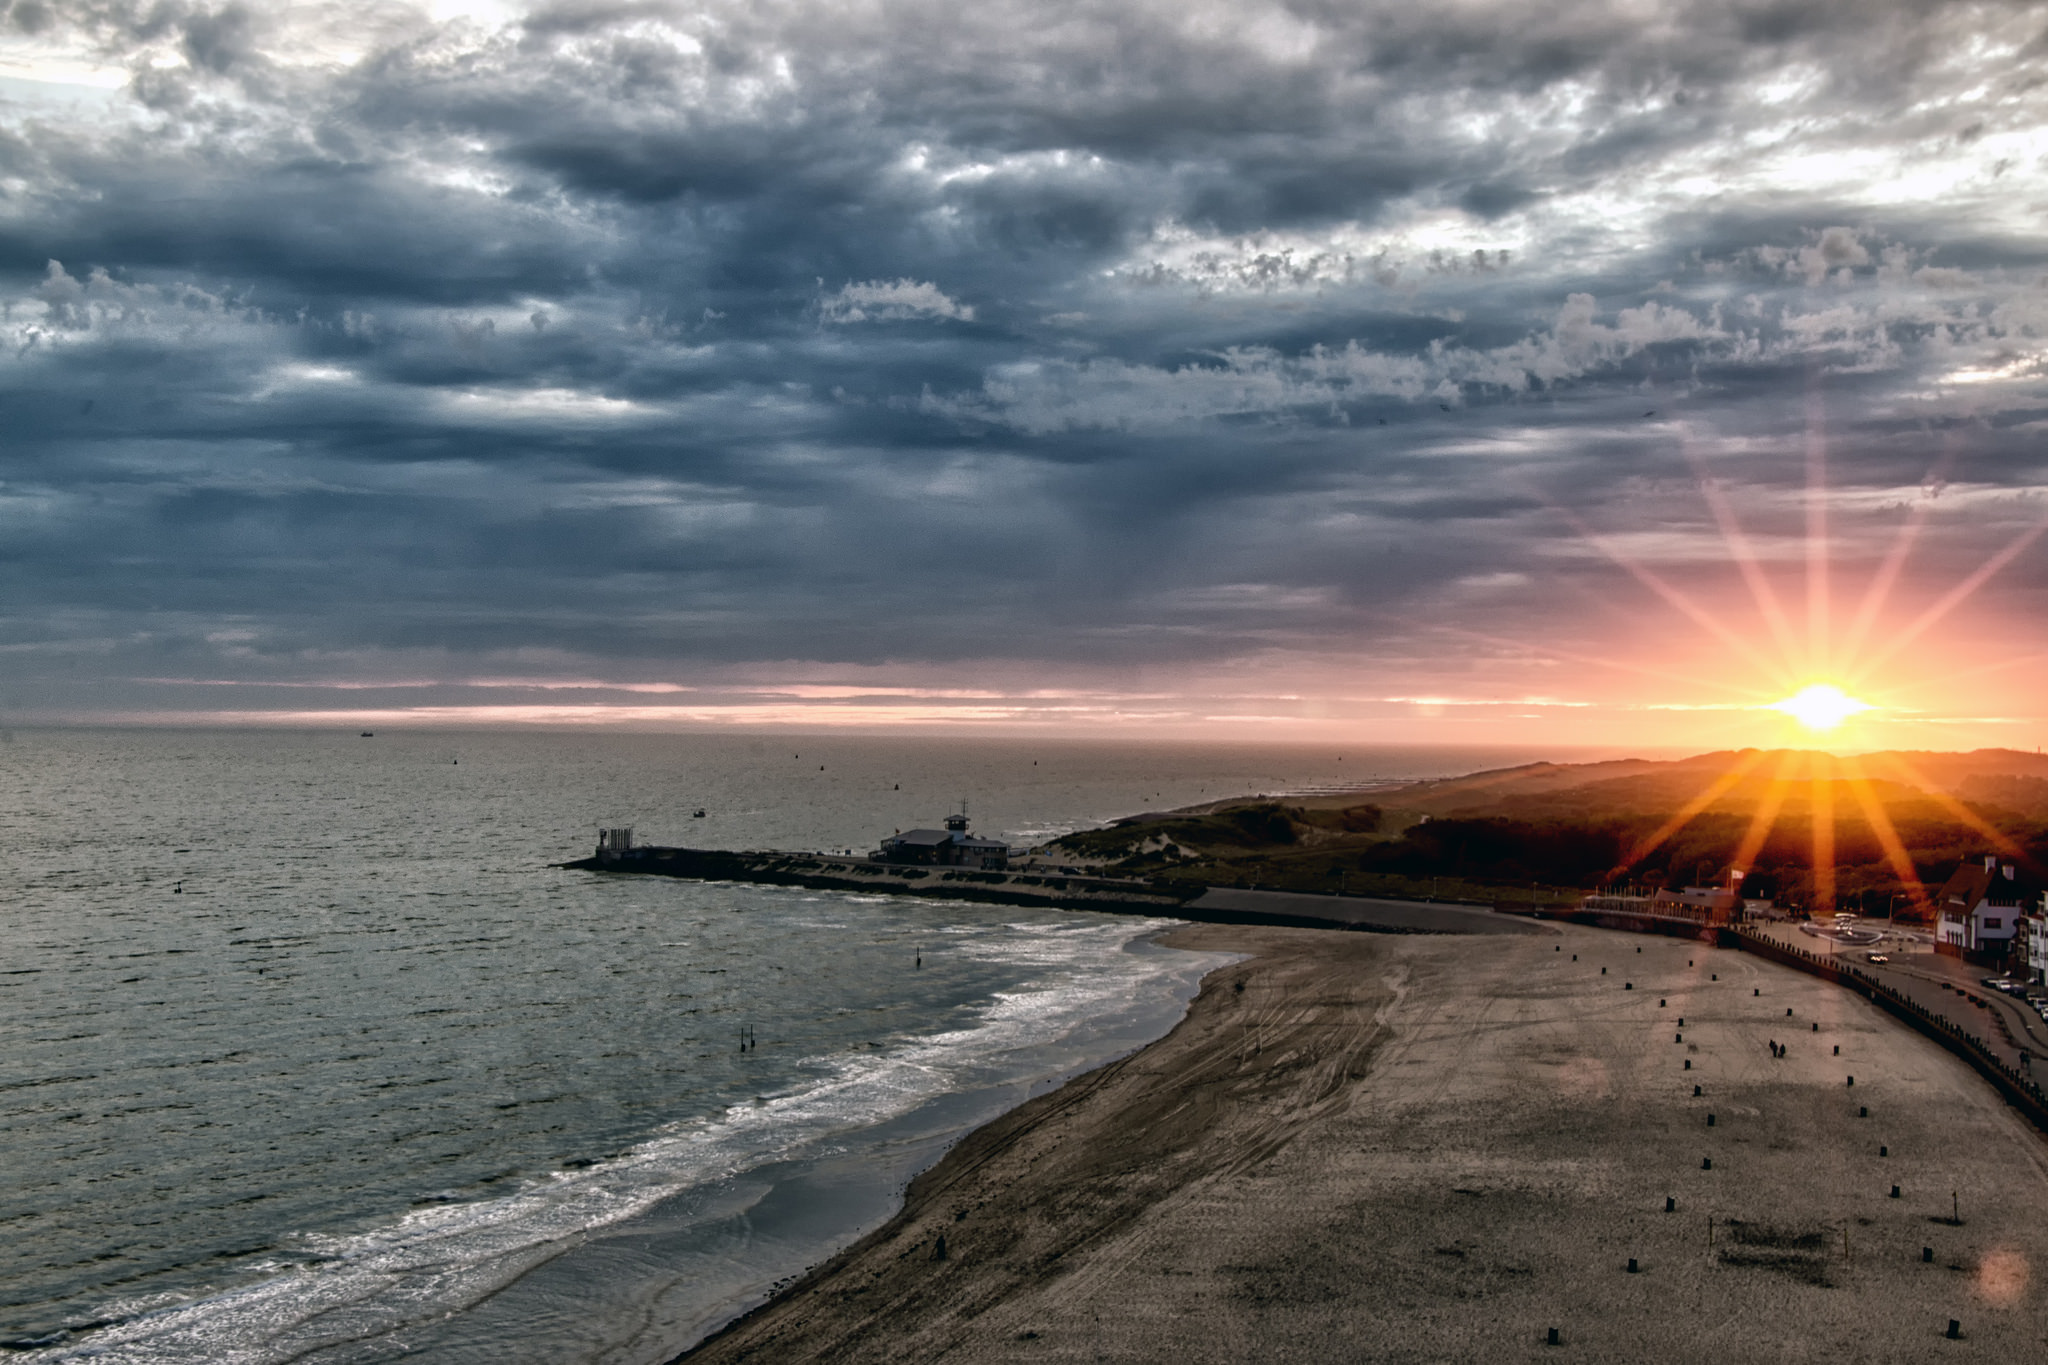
x,y
1707,906
952,846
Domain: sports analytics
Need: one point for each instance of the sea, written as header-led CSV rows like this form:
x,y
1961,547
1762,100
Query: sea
x,y
310,1051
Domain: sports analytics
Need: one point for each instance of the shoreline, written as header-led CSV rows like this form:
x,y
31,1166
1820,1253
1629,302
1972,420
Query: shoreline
x,y
716,1247
1439,1148
977,1149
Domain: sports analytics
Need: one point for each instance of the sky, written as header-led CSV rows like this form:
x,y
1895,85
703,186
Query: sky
x,y
1597,372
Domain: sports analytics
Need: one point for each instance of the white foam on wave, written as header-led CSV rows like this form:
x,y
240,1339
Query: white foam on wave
x,y
435,1260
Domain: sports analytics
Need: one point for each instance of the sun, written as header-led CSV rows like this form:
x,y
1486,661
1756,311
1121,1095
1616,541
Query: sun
x,y
1836,651
1821,706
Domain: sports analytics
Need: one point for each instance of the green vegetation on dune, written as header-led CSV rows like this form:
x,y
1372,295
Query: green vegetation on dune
x,y
1285,847
1537,834
1252,826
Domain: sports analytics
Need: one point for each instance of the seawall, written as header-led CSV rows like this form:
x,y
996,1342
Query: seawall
x,y
1181,901
823,873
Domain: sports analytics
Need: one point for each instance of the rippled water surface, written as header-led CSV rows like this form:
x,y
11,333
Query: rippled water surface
x,y
304,1047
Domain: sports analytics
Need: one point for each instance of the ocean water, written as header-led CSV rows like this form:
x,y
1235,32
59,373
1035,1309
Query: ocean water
x,y
307,1053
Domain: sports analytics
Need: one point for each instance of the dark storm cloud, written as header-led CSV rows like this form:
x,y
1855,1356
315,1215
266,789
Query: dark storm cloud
x,y
652,338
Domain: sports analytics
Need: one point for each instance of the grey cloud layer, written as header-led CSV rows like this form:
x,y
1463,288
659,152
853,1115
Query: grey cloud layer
x,y
659,338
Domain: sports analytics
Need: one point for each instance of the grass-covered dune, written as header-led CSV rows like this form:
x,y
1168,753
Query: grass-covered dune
x,y
1547,832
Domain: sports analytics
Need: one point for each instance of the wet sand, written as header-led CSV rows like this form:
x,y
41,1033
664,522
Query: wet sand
x,y
1430,1148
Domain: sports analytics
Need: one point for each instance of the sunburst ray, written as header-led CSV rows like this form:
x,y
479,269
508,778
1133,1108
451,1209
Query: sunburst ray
x,y
1766,816
1818,605
1698,615
1879,591
1732,690
1980,670
1950,600
1888,839
1747,562
1714,791
1820,655
1822,831
1962,813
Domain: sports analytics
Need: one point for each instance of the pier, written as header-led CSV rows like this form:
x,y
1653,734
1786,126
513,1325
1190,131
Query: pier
x,y
1105,895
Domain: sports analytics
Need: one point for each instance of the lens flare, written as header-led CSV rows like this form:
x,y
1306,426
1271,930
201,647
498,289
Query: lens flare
x,y
1821,706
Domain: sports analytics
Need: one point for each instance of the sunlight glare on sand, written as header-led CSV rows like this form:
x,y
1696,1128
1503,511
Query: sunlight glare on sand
x,y
2002,1277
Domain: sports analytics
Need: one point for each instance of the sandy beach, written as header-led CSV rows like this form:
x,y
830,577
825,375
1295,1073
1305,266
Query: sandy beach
x,y
1381,1147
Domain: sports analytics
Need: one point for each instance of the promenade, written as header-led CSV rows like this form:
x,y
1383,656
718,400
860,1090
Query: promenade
x,y
1946,987
1976,1023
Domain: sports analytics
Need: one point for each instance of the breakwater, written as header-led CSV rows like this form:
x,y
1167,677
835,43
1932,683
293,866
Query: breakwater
x,y
1104,895
821,872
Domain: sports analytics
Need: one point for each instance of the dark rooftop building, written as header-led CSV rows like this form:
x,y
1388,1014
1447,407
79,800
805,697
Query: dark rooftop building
x,y
1979,908
952,846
